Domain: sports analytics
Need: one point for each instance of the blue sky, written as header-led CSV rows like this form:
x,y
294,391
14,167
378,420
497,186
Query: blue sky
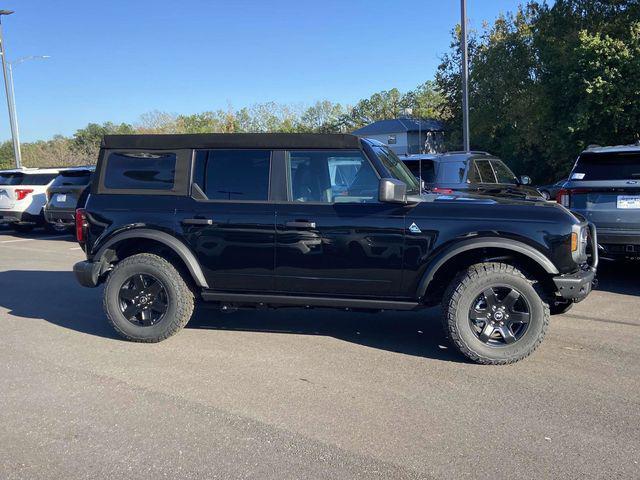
x,y
114,60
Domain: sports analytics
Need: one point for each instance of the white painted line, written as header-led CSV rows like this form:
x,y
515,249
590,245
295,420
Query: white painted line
x,y
75,248
29,239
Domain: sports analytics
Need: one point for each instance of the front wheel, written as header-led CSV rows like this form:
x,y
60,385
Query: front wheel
x,y
146,299
494,315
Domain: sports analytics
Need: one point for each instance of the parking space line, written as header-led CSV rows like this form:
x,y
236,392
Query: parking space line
x,y
28,239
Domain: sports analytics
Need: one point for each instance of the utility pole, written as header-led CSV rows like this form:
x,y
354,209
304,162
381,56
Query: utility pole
x,y
465,76
9,92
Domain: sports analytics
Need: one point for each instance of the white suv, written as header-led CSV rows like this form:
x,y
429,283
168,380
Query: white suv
x,y
23,194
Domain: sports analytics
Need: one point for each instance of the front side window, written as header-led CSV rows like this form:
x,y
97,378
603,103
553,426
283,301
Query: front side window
x,y
140,170
233,174
331,177
503,173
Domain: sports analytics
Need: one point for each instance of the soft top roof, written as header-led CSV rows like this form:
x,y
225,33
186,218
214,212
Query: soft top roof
x,y
232,140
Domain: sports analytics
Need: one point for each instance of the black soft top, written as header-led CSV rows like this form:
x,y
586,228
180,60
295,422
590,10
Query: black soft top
x,y
232,140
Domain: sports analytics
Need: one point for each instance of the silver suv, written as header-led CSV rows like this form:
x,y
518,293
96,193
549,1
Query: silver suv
x,y
604,187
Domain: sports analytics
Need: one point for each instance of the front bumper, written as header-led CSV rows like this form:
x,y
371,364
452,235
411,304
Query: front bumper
x,y
576,286
88,273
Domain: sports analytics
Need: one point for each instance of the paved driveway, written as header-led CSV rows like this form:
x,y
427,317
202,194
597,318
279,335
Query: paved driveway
x,y
304,394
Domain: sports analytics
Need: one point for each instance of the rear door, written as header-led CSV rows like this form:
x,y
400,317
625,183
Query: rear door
x,y
333,236
605,188
229,221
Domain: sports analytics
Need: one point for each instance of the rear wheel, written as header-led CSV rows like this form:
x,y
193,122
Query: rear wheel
x,y
146,299
494,315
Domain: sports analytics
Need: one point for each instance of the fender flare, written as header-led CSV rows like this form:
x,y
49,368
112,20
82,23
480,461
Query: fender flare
x,y
477,243
177,246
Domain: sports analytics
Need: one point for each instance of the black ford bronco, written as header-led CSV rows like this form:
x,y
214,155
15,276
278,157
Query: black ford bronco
x,y
281,220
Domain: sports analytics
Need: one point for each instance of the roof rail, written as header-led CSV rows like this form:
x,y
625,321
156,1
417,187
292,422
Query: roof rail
x,y
473,152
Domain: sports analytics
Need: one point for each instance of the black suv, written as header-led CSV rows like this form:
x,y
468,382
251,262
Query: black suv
x,y
476,172
281,220
67,193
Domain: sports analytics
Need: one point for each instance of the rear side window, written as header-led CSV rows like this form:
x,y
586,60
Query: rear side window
x,y
451,172
74,178
140,170
37,179
607,166
233,174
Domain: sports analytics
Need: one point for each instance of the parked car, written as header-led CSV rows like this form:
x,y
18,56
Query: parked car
x,y
256,220
477,172
23,196
68,192
550,192
604,187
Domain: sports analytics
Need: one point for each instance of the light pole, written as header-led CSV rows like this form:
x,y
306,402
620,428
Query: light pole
x,y
7,89
15,131
465,76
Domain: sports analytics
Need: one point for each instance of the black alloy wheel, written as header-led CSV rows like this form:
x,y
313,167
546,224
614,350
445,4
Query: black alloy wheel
x,y
143,300
500,316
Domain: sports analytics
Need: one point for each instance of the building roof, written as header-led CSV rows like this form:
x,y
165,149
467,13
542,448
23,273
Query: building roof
x,y
400,125
232,140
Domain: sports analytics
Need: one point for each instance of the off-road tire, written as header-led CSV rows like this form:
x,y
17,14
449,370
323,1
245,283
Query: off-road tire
x,y
180,298
463,291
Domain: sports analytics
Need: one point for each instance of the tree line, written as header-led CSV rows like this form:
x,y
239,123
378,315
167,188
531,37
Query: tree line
x,y
545,82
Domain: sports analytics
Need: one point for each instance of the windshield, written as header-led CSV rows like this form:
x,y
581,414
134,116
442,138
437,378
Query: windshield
x,y
607,166
398,169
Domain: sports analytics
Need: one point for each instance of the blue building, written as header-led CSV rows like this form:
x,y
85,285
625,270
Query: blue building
x,y
407,136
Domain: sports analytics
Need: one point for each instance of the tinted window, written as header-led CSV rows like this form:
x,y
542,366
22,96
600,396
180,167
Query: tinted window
x,y
326,176
140,170
607,166
26,179
451,172
424,169
503,173
485,171
72,178
11,179
234,174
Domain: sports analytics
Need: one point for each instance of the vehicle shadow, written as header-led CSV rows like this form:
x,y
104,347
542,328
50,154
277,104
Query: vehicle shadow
x,y
55,297
619,277
7,233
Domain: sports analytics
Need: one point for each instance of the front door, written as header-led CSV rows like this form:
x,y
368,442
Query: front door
x,y
333,237
230,222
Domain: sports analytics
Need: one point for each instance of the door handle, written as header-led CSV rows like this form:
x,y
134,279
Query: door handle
x,y
301,224
197,221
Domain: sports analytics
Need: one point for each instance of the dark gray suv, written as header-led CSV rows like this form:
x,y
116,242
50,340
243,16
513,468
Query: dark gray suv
x,y
604,187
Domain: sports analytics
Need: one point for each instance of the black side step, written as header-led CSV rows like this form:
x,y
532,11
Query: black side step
x,y
288,300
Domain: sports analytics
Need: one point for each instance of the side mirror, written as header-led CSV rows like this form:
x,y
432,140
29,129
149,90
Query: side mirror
x,y
391,190
525,180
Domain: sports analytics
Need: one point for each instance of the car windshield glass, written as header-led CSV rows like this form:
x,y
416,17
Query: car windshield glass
x,y
451,172
607,166
398,169
22,179
503,173
81,177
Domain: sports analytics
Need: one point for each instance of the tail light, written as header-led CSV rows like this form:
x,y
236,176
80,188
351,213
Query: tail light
x,y
21,193
81,225
564,198
445,191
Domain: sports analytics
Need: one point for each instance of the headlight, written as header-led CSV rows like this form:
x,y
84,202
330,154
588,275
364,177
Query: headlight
x,y
579,241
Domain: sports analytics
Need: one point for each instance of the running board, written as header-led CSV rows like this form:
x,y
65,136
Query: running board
x,y
287,300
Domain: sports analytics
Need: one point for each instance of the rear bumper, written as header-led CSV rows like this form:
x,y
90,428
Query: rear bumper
x,y
59,215
18,216
88,273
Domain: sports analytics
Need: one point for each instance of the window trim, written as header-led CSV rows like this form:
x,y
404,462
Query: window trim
x,y
181,184
272,158
287,158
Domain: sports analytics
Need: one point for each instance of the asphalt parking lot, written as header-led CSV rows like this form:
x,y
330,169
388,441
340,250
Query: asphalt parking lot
x,y
304,394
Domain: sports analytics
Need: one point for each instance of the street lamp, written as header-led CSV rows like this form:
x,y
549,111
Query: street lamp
x,y
10,106
464,76
15,131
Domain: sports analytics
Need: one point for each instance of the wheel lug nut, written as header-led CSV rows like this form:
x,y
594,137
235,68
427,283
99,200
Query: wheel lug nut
x,y
501,323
